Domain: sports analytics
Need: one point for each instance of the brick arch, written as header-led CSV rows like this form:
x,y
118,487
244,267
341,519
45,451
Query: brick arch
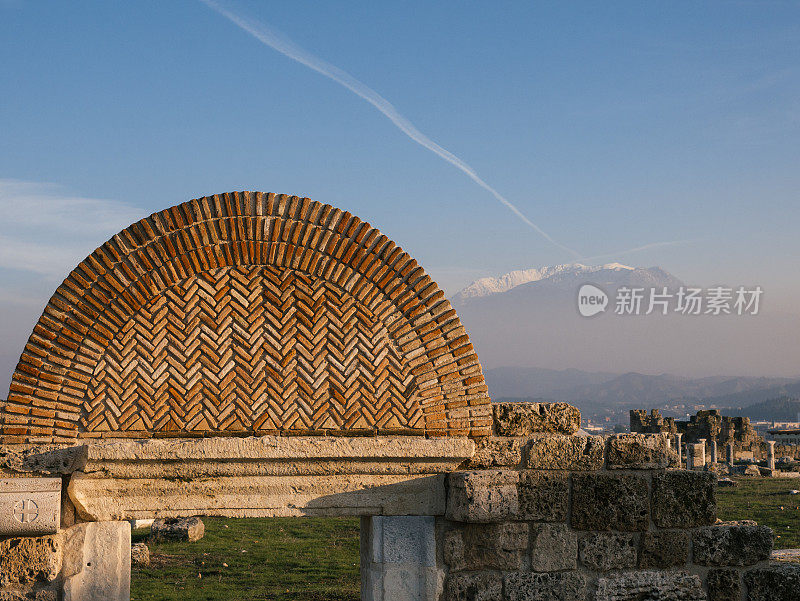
x,y
246,313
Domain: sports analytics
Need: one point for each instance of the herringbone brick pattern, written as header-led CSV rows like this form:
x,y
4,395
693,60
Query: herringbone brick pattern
x,y
251,348
246,312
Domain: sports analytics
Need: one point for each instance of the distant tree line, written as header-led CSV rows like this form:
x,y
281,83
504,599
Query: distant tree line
x,y
782,409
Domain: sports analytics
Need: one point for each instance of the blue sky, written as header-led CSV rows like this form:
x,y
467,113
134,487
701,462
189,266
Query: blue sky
x,y
610,125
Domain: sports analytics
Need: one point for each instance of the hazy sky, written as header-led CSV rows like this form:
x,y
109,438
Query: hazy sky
x,y
610,125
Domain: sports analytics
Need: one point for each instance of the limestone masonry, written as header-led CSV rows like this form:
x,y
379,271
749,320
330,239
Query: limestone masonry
x,y
254,355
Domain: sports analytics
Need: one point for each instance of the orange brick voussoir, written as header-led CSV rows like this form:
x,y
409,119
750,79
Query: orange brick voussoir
x,y
283,313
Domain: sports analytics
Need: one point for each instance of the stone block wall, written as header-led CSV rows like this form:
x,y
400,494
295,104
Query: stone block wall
x,y
543,514
538,511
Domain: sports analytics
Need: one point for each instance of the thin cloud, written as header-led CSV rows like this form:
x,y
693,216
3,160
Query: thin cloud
x,y
638,249
46,232
288,48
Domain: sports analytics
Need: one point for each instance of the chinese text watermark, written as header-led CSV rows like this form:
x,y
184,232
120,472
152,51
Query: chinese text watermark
x,y
717,300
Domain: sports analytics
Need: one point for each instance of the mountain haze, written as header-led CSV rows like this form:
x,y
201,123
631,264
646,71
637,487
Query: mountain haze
x,y
529,318
643,390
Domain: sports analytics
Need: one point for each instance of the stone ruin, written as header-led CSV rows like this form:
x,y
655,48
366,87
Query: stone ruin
x,y
258,355
710,427
707,424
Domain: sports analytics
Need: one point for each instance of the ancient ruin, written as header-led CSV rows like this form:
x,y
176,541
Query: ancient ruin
x,y
256,355
707,424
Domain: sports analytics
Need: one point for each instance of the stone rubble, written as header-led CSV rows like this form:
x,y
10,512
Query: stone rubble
x,y
178,529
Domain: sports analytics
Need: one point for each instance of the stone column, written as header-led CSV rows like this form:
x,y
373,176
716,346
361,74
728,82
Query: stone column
x,y
702,455
97,562
696,456
771,454
729,453
678,448
398,559
713,451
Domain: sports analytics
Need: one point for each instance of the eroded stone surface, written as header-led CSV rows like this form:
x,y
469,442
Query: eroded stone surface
x,y
486,546
26,560
608,551
43,459
47,594
482,496
731,545
559,452
524,419
780,582
724,585
683,499
650,586
474,586
177,529
543,496
554,547
275,456
664,549
639,451
552,586
140,555
104,499
610,502
496,452
97,562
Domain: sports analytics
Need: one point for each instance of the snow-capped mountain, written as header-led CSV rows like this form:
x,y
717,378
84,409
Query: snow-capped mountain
x,y
487,286
566,275
531,319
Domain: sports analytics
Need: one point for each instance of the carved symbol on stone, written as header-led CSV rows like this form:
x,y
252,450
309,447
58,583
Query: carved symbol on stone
x,y
26,511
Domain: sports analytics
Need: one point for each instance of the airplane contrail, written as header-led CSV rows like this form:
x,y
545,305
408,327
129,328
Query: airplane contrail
x,y
288,48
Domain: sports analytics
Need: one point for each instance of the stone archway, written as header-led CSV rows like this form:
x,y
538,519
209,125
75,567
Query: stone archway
x,y
246,313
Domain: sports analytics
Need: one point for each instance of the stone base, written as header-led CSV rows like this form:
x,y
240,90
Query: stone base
x,y
398,559
97,562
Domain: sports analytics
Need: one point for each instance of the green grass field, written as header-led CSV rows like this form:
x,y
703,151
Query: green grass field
x,y
304,559
767,501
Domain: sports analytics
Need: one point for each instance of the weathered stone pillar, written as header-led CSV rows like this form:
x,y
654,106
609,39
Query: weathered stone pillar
x,y
702,454
97,562
696,459
729,452
771,454
398,559
679,448
713,451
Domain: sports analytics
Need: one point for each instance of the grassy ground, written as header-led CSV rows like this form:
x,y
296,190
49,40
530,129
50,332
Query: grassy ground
x,y
767,501
303,559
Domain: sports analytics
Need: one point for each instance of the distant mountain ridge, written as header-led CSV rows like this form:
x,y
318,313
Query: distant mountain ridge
x,y
512,279
641,390
531,318
778,409
566,276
